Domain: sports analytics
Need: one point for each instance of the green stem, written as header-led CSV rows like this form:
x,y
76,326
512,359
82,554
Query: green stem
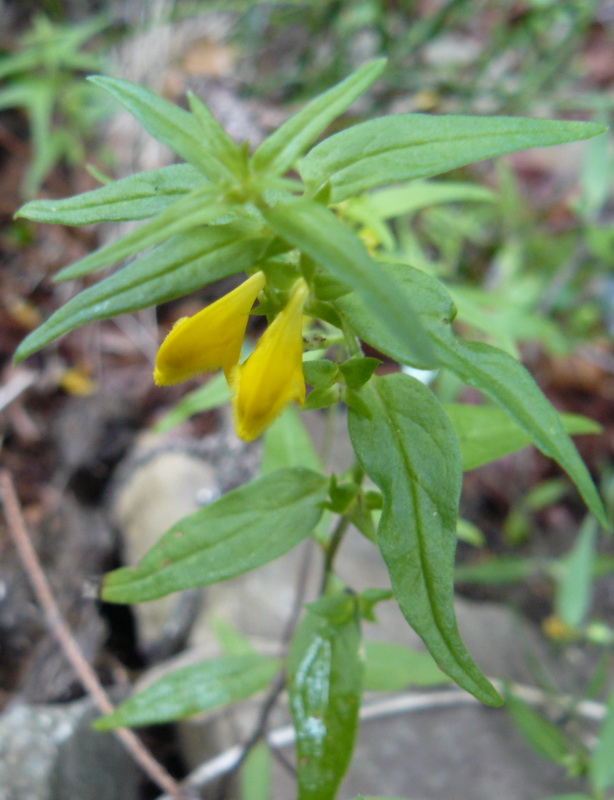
x,y
343,523
351,342
330,435
341,527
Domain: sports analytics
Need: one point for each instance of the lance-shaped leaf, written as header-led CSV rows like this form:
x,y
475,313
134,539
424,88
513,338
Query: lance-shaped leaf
x,y
217,141
193,690
244,529
324,688
544,736
508,383
256,774
287,444
281,149
409,449
391,667
601,766
486,433
488,369
397,201
319,234
169,124
403,147
213,394
574,591
191,211
136,197
179,266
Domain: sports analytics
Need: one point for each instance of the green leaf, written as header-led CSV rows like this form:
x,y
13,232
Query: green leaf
x,y
320,235
256,774
320,373
486,368
595,178
217,142
568,797
321,398
392,667
193,690
357,371
403,147
398,201
244,529
370,598
179,266
136,197
497,571
486,433
287,444
23,61
281,149
574,588
508,383
324,688
169,124
409,450
601,764
544,737
191,211
469,533
231,640
213,394
342,495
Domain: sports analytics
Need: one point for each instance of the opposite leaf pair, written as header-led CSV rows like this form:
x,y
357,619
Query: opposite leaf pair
x,y
268,380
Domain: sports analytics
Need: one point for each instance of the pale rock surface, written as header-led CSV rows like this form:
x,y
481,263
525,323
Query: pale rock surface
x,y
163,489
50,752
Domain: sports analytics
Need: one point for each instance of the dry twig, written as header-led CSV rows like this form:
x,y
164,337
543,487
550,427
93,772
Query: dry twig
x,y
58,627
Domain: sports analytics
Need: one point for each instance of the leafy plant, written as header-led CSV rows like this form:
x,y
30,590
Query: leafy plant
x,y
44,78
224,212
446,55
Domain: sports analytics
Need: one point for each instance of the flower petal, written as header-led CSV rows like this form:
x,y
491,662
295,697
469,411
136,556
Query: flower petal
x,y
273,375
209,340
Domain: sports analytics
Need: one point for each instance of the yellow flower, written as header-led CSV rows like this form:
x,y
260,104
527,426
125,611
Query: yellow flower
x,y
273,375
208,340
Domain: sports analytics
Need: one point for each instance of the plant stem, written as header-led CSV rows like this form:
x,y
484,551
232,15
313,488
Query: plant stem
x,y
335,540
351,342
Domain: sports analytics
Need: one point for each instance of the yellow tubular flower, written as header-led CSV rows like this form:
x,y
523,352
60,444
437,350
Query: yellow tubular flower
x,y
208,340
273,375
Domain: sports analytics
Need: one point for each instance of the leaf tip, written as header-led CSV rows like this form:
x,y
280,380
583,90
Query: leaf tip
x,y
378,64
104,723
98,80
25,349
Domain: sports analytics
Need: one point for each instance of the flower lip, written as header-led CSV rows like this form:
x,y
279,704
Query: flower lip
x,y
272,376
210,339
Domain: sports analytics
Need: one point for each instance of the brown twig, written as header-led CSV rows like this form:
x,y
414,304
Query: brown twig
x,y
58,627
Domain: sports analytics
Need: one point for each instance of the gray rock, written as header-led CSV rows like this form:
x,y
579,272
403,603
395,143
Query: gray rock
x,y
457,753
50,752
158,493
446,754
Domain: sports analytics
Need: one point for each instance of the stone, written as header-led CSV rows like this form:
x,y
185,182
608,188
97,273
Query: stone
x,y
159,491
50,752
